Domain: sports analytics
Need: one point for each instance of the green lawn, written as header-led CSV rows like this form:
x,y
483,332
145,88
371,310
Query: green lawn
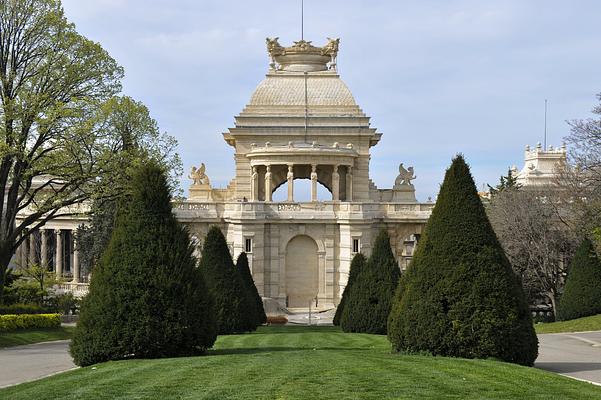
x,y
304,363
576,325
17,338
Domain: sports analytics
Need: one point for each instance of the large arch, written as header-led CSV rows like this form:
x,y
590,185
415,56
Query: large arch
x,y
302,271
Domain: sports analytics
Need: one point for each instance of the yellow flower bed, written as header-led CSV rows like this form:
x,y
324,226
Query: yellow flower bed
x,y
13,322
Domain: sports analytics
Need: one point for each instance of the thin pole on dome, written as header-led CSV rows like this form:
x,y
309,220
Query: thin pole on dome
x,y
302,19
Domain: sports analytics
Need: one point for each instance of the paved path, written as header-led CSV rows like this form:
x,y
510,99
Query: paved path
x,y
33,361
573,354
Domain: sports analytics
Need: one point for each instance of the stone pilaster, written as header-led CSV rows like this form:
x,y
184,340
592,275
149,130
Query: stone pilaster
x,y
44,249
58,268
290,180
314,182
268,183
335,184
349,184
75,262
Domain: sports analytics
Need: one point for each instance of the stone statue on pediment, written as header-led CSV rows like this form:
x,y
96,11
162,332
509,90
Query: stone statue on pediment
x,y
199,176
405,176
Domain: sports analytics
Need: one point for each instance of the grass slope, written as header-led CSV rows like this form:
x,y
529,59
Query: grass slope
x,y
304,363
592,323
18,338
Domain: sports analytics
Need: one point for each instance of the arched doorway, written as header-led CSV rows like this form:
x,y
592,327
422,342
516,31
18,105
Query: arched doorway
x,y
301,271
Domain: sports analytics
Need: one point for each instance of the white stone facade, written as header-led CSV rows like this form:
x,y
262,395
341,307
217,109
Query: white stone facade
x,y
302,122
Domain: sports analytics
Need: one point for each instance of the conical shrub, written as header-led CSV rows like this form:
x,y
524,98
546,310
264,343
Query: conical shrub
x,y
459,296
234,311
370,296
249,283
357,264
582,292
147,299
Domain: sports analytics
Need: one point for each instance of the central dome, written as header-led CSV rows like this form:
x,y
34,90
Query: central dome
x,y
282,88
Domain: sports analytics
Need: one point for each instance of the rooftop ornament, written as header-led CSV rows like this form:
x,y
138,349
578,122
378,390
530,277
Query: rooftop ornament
x,y
302,56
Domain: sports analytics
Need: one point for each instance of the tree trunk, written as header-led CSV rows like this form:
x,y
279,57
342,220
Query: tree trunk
x,y
6,253
551,297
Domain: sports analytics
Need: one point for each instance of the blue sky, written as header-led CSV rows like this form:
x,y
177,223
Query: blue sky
x,y
437,77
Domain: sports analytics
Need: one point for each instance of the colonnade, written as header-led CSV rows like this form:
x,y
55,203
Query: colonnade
x,y
28,253
268,182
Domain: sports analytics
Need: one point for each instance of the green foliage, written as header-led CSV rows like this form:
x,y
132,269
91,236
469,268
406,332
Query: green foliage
x,y
357,264
13,322
582,292
370,297
23,309
252,292
508,181
232,304
147,299
459,296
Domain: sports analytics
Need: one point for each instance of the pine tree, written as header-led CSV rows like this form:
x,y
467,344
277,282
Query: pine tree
x,y
253,293
357,264
234,312
459,296
370,296
582,292
147,299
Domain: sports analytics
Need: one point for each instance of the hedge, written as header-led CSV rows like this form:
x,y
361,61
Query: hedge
x,y
13,322
24,309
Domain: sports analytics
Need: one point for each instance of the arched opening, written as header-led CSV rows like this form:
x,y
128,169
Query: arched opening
x,y
302,191
301,271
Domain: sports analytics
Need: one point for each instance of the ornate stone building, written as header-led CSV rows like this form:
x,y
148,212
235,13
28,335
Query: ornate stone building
x,y
302,122
540,166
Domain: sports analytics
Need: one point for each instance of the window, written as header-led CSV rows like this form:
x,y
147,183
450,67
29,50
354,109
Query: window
x,y
248,245
356,247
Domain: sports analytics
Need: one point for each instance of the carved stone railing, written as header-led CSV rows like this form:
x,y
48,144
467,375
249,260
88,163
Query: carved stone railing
x,y
79,290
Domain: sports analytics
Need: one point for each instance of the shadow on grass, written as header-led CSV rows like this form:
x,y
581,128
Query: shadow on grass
x,y
275,349
273,329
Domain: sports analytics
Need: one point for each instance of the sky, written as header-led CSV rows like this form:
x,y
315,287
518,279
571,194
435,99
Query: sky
x,y
437,78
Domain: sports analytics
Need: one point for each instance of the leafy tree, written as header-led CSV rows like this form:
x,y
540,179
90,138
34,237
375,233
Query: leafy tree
x,y
232,306
370,297
133,137
147,299
582,293
52,81
254,297
459,296
357,264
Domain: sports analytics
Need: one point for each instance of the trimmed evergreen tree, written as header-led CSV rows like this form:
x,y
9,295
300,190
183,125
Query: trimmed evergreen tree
x,y
234,311
253,293
147,299
582,292
357,264
459,296
370,297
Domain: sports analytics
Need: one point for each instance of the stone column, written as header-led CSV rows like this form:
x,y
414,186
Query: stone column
x,y
335,184
313,182
290,179
44,249
268,183
58,269
75,261
254,184
32,246
349,184
24,253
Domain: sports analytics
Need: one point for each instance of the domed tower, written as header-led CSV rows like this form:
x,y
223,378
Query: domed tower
x,y
302,122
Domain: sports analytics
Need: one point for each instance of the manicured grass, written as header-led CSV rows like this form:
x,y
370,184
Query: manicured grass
x,y
29,336
576,325
304,363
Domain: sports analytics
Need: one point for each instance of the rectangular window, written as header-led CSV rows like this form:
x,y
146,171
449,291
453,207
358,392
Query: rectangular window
x,y
248,245
356,247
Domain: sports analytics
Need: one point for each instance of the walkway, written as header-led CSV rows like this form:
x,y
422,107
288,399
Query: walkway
x,y
33,361
573,354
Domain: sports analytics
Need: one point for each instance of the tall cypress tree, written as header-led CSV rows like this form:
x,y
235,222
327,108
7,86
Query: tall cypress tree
x,y
459,296
253,293
582,292
147,299
235,313
357,264
370,296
